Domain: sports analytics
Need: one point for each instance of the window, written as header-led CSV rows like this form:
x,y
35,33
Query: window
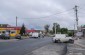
x,y
3,31
12,32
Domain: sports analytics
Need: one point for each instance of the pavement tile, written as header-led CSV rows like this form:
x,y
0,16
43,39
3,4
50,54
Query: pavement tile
x,y
74,49
46,50
80,42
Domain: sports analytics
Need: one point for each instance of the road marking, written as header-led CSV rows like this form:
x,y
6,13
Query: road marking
x,y
80,45
71,48
75,54
9,40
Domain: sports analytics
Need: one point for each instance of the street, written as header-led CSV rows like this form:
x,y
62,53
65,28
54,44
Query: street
x,y
40,46
26,46
42,27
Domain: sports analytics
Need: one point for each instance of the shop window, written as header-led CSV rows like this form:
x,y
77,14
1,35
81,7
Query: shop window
x,y
3,31
12,32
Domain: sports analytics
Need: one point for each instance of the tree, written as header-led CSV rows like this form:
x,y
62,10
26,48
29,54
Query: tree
x,y
47,28
22,31
71,33
57,27
64,30
51,32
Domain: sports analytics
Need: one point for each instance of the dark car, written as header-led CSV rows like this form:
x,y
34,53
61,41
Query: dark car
x,y
18,36
0,35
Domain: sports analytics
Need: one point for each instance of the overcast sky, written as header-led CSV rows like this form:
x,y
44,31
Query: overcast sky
x,y
36,13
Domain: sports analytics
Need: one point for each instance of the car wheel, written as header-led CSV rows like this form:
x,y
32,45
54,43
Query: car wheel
x,y
4,38
58,41
71,41
20,38
9,38
54,41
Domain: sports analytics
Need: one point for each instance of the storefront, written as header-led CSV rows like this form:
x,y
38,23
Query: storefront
x,y
11,30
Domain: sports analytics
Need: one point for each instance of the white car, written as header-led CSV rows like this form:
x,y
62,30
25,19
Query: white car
x,y
35,35
62,38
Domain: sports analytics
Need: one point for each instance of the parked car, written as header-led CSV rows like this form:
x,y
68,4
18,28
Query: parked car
x,y
5,36
35,35
52,35
62,38
30,34
0,35
18,36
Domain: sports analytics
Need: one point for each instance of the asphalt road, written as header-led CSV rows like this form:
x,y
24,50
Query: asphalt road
x,y
22,47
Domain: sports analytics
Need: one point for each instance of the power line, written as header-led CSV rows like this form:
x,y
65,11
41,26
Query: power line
x,y
82,8
59,13
82,12
55,14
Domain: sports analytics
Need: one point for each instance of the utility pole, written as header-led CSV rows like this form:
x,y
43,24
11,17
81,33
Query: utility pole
x,y
16,21
16,24
74,31
76,13
55,28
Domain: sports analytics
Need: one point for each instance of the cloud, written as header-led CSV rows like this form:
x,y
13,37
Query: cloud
x,y
37,13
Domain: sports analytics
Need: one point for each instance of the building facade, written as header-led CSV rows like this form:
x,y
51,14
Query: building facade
x,y
12,30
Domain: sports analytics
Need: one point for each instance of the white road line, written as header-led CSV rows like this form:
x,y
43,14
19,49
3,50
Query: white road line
x,y
75,54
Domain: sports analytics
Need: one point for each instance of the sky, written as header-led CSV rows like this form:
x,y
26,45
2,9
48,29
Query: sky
x,y
37,13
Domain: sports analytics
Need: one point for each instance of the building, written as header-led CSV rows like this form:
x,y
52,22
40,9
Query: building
x,y
4,25
28,31
12,30
83,30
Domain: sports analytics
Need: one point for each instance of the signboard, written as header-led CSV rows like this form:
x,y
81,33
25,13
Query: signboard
x,y
7,28
79,34
10,28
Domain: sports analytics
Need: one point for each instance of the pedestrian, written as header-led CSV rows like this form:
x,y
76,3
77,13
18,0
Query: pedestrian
x,y
43,35
39,35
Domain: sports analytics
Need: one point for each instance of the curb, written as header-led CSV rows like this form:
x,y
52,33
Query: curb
x,y
81,45
11,40
25,37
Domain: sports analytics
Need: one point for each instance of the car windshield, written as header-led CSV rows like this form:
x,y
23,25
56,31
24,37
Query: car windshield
x,y
42,27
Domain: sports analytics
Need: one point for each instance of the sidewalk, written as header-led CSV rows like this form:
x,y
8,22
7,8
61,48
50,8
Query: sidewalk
x,y
80,42
8,40
13,39
78,48
25,37
49,49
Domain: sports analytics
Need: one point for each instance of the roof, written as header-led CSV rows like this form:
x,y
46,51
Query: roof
x,y
30,30
10,28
